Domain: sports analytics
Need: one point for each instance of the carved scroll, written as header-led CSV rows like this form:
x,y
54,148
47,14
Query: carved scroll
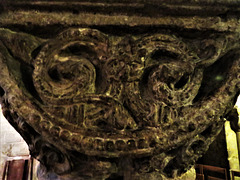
x,y
103,105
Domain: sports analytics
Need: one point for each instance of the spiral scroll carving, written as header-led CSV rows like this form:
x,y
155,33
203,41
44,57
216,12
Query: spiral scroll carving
x,y
174,83
64,69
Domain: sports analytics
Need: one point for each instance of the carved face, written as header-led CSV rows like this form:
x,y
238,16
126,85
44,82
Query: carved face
x,y
150,95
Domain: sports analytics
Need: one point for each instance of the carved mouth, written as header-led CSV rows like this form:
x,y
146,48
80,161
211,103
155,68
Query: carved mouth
x,y
102,127
96,112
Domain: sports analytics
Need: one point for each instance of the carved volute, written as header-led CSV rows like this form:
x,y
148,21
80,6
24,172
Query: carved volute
x,y
117,89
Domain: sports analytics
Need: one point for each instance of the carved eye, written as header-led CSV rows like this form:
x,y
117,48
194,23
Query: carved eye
x,y
65,67
170,75
65,77
71,70
173,83
182,81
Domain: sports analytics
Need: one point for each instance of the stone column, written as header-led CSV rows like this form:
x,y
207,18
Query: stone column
x,y
233,137
238,132
232,147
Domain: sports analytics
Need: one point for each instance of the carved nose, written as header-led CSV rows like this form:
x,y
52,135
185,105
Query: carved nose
x,y
116,69
64,78
107,117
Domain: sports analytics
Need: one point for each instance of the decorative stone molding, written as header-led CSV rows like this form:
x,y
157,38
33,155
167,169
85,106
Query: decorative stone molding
x,y
118,90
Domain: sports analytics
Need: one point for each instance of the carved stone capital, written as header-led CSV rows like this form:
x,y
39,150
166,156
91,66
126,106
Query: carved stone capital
x,y
118,90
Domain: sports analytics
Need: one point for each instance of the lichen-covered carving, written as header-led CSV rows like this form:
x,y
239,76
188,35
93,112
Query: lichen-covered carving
x,y
105,106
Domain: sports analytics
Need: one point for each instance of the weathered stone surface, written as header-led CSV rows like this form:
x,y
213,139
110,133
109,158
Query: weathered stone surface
x,y
118,90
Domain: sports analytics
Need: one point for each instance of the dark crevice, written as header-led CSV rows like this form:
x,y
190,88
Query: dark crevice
x,y
175,150
152,143
101,124
149,10
162,54
118,30
126,107
182,82
215,76
100,82
54,74
171,166
193,36
175,164
197,146
122,30
115,177
144,82
78,50
208,131
144,79
232,116
8,49
2,92
36,51
27,79
191,127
